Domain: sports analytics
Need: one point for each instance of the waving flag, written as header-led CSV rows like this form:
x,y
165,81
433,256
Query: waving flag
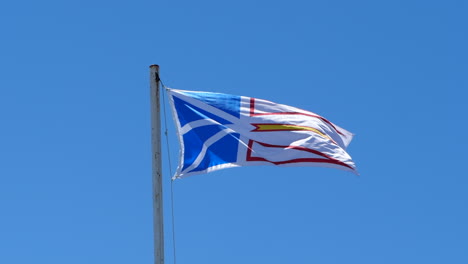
x,y
218,131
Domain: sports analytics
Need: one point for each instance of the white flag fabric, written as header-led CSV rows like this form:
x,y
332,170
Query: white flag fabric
x,y
218,131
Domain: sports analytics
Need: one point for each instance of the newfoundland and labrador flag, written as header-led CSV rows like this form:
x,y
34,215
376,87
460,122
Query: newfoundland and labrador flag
x,y
218,131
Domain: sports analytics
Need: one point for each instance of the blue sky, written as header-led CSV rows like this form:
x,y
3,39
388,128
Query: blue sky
x,y
75,159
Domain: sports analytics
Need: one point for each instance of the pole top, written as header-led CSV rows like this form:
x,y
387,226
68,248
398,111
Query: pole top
x,y
154,66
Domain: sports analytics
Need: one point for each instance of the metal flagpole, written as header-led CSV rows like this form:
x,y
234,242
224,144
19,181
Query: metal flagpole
x,y
157,167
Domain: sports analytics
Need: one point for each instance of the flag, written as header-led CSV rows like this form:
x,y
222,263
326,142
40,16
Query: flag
x,y
218,131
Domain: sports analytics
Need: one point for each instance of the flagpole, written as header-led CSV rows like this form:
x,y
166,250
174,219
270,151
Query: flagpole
x,y
158,227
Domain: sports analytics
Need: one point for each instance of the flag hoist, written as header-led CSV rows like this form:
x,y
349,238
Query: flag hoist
x,y
158,226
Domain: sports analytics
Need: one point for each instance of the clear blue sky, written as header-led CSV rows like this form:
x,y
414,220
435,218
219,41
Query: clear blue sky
x,y
75,159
